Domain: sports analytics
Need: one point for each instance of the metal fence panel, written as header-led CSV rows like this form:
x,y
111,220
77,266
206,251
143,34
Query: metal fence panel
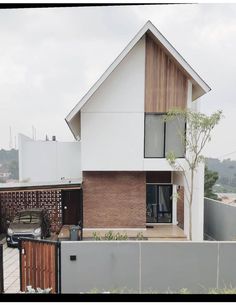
x,y
219,220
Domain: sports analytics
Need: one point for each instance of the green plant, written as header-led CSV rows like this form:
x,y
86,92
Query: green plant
x,y
194,140
119,236
225,290
112,236
109,236
96,236
210,179
184,291
140,236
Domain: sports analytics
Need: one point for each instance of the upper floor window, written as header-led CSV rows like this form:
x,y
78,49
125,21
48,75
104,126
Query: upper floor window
x,y
162,137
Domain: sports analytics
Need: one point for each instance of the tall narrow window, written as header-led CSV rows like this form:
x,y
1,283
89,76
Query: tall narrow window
x,y
163,137
154,136
175,130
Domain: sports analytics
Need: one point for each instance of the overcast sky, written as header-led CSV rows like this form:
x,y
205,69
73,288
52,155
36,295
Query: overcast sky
x,y
49,58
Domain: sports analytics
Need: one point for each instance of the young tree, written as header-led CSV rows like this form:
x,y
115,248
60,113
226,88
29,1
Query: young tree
x,y
197,134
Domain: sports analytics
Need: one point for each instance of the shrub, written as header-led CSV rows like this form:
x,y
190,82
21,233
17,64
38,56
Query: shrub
x,y
110,236
140,236
96,236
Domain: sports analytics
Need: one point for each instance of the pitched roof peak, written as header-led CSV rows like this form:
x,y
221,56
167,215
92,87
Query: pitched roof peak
x,y
199,86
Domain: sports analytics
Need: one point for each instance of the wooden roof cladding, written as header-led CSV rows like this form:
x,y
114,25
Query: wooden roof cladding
x,y
165,83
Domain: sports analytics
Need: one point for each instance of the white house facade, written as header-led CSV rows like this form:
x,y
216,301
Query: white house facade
x,y
119,156
127,181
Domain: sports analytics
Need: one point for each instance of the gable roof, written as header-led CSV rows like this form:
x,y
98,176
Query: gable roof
x,y
199,86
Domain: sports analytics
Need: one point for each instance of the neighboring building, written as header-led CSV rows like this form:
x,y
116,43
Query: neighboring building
x,y
49,177
48,162
119,159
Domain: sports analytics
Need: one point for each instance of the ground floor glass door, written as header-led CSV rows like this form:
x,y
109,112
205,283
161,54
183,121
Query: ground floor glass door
x,y
159,203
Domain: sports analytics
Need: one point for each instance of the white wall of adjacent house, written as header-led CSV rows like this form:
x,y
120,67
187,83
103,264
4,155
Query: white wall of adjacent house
x,y
48,161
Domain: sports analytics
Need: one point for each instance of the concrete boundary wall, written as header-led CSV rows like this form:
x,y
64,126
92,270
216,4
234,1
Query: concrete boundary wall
x,y
219,220
146,266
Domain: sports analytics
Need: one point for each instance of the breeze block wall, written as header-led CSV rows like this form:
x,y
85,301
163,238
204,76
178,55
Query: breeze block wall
x,y
114,199
13,201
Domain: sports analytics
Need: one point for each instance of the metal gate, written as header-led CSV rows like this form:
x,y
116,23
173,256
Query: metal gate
x,y
40,264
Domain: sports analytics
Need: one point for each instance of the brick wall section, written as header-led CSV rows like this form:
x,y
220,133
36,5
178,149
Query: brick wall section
x,y
114,199
180,208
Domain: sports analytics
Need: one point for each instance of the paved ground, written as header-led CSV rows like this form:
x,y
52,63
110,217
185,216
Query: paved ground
x,y
11,269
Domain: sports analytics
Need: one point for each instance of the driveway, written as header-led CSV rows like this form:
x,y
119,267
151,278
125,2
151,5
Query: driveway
x,y
11,269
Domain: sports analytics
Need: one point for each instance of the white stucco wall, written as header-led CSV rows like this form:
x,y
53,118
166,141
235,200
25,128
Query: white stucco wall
x,y
48,161
112,121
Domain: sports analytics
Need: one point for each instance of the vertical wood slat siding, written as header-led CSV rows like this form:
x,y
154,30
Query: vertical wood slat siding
x,y
38,265
165,83
22,272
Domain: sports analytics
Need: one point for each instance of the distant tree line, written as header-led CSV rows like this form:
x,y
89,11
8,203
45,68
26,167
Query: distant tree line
x,y
210,179
226,170
9,163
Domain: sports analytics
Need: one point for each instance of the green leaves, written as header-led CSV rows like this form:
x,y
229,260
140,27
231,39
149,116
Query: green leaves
x,y
198,133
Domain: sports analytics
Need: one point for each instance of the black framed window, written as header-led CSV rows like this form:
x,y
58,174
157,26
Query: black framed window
x,y
162,137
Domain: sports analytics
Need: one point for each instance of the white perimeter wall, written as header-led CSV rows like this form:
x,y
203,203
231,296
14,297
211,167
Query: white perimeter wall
x,y
48,161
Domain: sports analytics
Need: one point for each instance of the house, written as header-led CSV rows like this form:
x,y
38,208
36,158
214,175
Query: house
x,y
118,162
127,181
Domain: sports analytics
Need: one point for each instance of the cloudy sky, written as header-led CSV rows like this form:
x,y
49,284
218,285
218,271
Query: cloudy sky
x,y
49,58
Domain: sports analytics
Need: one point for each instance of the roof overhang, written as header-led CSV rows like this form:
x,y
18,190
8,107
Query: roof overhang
x,y
199,85
39,186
